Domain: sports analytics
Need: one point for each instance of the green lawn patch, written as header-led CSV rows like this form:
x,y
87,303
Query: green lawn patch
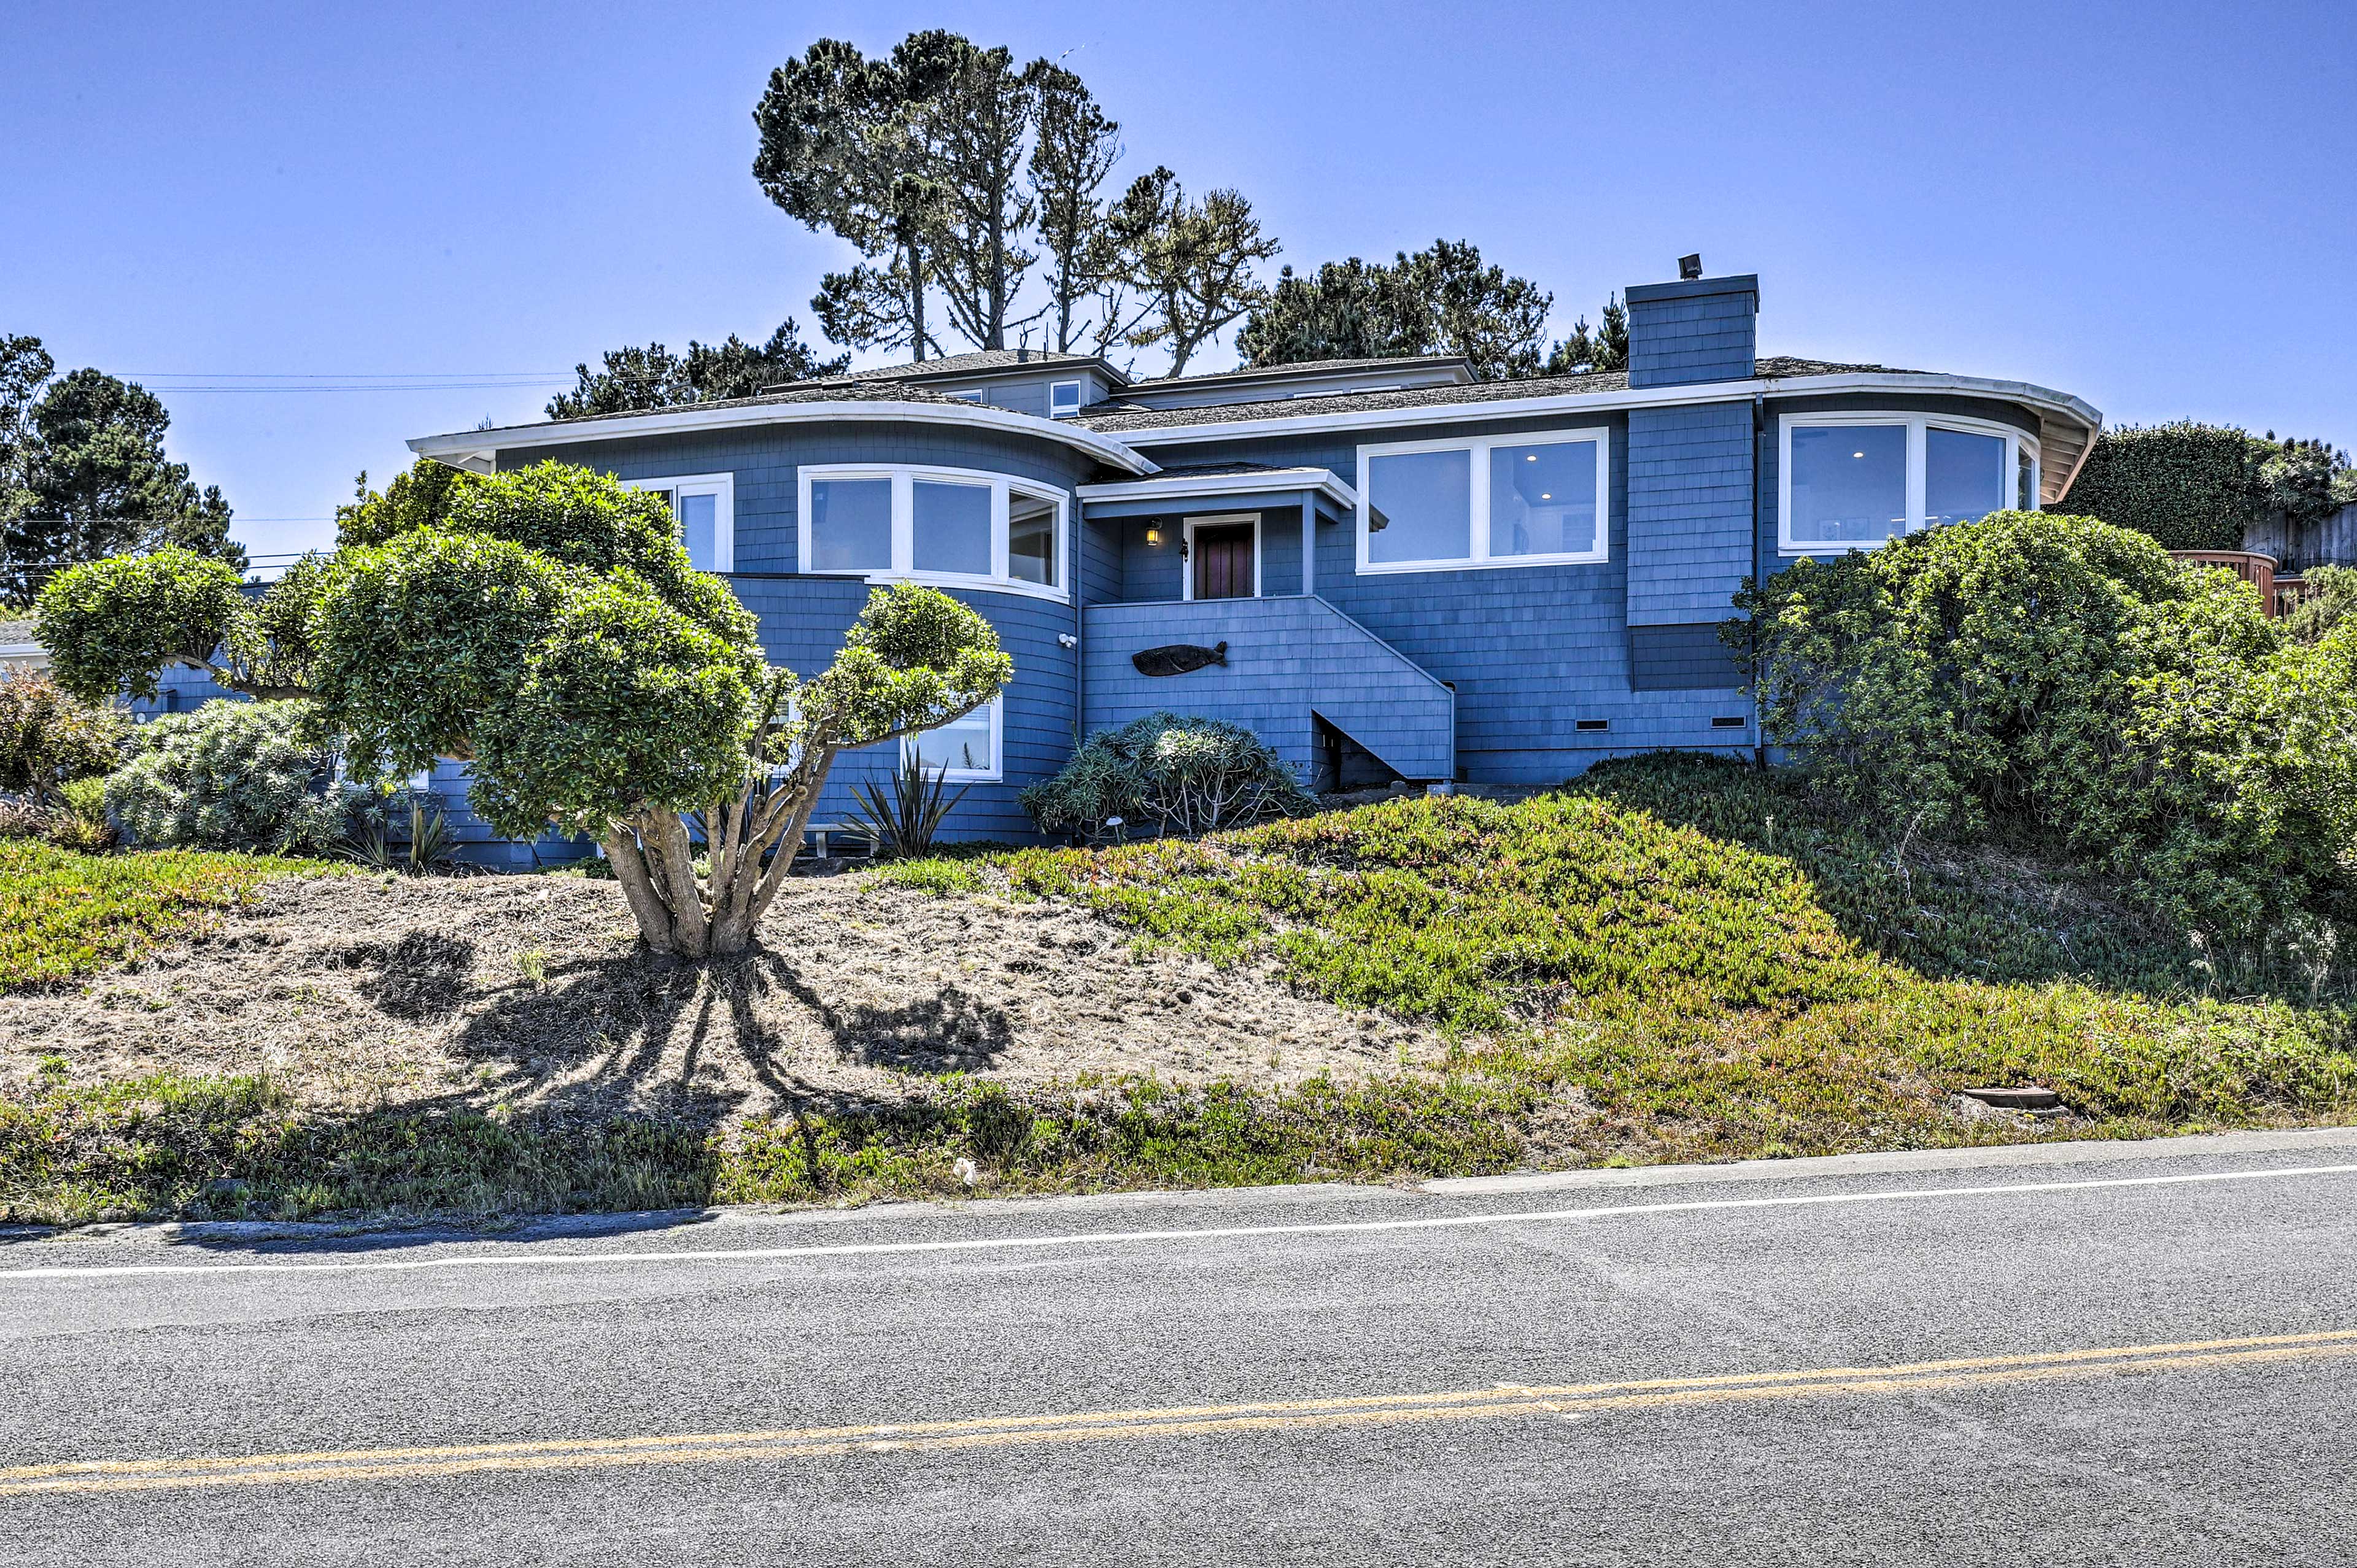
x,y
64,914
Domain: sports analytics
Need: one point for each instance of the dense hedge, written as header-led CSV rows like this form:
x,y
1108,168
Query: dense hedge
x,y
2056,676
2200,487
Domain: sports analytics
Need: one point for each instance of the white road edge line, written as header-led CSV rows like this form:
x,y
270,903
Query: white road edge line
x,y
1132,1238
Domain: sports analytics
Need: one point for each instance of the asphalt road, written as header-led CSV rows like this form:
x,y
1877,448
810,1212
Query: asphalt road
x,y
2135,1354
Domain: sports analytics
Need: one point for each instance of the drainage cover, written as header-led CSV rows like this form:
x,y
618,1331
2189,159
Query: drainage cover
x,y
2026,1097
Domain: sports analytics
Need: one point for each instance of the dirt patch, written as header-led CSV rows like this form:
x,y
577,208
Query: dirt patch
x,y
357,992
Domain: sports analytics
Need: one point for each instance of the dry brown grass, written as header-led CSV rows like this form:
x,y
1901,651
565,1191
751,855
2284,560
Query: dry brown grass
x,y
354,992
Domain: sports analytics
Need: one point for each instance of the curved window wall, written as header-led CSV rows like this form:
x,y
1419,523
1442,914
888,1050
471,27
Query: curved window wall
x,y
1849,481
963,527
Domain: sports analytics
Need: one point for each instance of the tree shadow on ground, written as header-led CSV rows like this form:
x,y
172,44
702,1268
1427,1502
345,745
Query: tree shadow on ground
x,y
637,1033
419,979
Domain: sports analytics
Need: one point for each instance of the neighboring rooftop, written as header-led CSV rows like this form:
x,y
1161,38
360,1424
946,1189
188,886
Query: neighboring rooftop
x,y
984,364
17,633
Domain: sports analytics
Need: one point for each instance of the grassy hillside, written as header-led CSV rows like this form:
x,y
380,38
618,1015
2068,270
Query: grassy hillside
x,y
1681,958
64,914
1675,959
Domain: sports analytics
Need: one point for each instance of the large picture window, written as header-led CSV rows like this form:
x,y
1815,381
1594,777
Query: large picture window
x,y
948,525
1851,481
704,506
1510,501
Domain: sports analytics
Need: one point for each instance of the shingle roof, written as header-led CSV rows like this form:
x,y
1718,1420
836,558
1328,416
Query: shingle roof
x,y
17,633
851,391
979,360
1304,368
1115,414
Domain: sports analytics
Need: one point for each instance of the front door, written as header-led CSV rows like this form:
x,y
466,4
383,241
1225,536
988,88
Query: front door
x,y
1224,561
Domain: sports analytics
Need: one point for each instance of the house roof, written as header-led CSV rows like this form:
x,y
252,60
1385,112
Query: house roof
x,y
989,364
18,633
1212,480
1458,364
1117,415
850,400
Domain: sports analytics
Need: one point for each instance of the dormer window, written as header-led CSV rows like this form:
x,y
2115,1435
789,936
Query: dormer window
x,y
1063,399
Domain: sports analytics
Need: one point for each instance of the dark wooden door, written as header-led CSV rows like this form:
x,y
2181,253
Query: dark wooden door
x,y
1223,562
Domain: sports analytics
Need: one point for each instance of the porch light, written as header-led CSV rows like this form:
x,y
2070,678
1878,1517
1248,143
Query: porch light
x,y
1152,534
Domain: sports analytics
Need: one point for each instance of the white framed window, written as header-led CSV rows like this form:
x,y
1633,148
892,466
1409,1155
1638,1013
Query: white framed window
x,y
971,394
1850,481
969,749
1538,498
960,526
1063,399
704,506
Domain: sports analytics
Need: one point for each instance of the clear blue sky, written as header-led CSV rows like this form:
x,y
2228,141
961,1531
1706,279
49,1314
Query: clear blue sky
x,y
2148,205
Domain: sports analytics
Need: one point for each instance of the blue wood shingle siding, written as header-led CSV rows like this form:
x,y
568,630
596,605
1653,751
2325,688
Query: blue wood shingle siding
x,y
1690,512
1531,651
1290,661
766,463
1704,330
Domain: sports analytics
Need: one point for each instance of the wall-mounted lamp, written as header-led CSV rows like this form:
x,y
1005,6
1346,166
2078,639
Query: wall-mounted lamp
x,y
1152,534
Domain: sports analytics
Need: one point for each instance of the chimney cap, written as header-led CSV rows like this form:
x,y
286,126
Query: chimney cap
x,y
1690,267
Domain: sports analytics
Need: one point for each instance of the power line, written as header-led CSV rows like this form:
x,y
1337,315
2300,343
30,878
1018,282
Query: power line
x,y
344,380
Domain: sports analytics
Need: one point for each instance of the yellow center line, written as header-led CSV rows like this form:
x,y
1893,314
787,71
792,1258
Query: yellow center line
x,y
1169,1421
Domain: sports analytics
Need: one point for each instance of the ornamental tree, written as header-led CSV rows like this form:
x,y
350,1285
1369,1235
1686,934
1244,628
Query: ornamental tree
x,y
545,627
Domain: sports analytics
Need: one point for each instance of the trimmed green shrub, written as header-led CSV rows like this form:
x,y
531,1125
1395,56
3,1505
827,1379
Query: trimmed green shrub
x,y
2059,677
230,775
1180,773
49,737
2198,486
79,821
2332,594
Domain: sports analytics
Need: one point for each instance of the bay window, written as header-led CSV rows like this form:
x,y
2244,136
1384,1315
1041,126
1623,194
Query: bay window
x,y
1509,501
950,525
704,506
1852,480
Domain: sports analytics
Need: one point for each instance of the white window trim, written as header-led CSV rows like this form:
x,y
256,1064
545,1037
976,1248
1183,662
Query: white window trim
x,y
1055,387
724,521
1917,426
1218,520
969,394
996,708
904,477
1479,448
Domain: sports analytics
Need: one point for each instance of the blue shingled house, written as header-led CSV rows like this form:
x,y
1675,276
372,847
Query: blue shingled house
x,y
1406,573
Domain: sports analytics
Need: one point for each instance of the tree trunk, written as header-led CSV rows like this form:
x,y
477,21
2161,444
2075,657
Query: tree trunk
x,y
683,916
915,297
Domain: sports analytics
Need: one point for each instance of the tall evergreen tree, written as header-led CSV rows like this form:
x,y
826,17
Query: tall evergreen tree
x,y
1440,300
1189,263
83,459
1605,348
842,151
1072,158
654,377
976,114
